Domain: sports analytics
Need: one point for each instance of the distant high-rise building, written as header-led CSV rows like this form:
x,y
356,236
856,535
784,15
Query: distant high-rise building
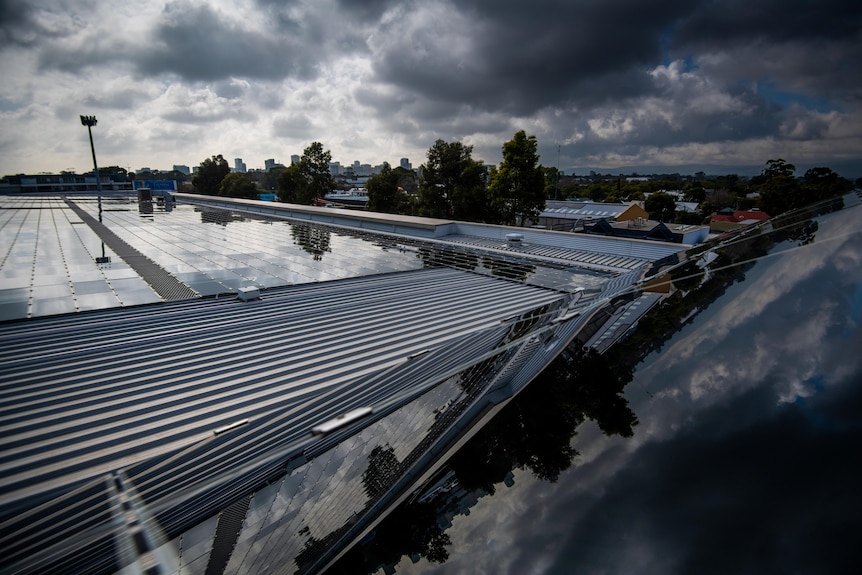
x,y
238,165
182,169
405,163
269,164
294,159
335,168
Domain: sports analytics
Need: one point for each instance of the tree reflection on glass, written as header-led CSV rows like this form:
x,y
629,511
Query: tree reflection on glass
x,y
508,269
312,239
434,257
533,432
382,470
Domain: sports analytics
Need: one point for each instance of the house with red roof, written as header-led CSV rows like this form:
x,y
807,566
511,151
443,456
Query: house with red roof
x,y
732,216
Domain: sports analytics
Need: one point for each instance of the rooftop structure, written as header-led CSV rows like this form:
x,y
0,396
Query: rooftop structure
x,y
569,215
651,230
65,183
294,373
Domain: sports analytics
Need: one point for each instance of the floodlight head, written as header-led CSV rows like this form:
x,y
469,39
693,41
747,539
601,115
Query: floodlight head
x,y
88,120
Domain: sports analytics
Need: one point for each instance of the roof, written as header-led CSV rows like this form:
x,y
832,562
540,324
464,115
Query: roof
x,y
739,216
81,393
583,209
348,318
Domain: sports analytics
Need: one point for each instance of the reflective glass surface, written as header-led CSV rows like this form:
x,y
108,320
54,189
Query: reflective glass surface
x,y
49,265
63,264
747,391
216,251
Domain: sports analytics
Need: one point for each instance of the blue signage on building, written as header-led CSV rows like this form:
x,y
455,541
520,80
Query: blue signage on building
x,y
170,185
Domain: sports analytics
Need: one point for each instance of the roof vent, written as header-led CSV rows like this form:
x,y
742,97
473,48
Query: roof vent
x,y
248,293
514,239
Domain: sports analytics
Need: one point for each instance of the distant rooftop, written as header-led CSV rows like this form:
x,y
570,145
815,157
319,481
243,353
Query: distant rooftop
x,y
58,259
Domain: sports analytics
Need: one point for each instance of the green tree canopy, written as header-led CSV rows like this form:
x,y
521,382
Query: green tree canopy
x,y
450,179
314,168
517,188
291,185
269,180
236,185
210,175
309,179
822,183
661,206
384,193
469,198
779,191
552,182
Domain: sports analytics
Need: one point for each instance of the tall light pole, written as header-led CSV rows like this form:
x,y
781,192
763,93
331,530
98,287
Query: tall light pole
x,y
90,121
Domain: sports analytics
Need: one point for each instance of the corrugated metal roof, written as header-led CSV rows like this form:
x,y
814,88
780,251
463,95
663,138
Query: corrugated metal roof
x,y
640,249
85,394
579,249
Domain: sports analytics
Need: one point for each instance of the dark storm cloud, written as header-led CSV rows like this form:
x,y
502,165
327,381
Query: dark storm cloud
x,y
808,45
15,23
197,43
724,23
752,71
519,57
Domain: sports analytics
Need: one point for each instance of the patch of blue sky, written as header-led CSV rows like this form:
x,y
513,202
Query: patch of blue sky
x,y
665,40
787,99
7,105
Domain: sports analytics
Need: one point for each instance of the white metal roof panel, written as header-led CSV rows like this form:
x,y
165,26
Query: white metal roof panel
x,y
80,395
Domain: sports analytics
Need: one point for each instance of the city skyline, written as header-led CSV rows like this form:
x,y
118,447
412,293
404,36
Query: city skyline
x,y
720,86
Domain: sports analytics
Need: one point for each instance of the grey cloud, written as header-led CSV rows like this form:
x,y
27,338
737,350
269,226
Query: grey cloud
x,y
365,10
521,57
122,99
231,89
295,126
808,45
197,43
727,22
26,23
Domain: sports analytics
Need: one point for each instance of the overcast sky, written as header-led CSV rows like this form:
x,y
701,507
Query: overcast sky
x,y
601,83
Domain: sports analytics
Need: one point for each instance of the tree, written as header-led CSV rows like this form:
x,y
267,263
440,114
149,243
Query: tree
x,y
407,180
291,185
210,175
822,183
661,206
450,177
236,185
314,168
552,182
269,180
309,179
695,193
113,170
517,188
779,190
384,193
469,197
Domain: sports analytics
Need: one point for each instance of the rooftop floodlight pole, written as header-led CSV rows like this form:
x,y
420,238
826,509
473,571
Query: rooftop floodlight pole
x,y
90,121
